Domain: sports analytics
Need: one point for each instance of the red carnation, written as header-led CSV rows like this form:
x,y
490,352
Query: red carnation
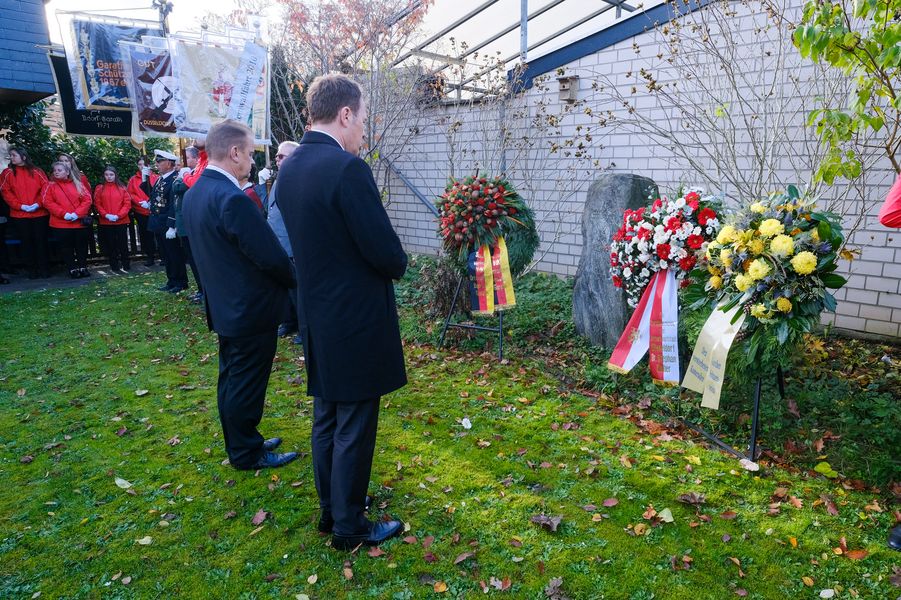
x,y
644,234
692,197
695,241
657,204
663,251
687,263
673,224
705,215
693,204
617,281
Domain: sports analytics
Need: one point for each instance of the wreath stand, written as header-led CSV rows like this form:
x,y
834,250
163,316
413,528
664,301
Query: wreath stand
x,y
453,309
753,451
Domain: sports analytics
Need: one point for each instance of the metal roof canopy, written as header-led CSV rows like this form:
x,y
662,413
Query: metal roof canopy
x,y
574,17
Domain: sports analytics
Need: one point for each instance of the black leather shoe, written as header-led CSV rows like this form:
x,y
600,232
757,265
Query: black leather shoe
x,y
327,523
176,289
284,330
164,288
380,532
297,339
270,460
894,538
272,444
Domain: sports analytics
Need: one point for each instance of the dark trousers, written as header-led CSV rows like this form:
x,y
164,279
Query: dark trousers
x,y
74,246
176,273
343,442
244,366
186,249
147,238
4,253
291,321
33,235
114,243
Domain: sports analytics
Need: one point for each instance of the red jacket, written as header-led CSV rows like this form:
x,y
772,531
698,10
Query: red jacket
x,y
109,198
85,183
890,214
192,177
61,197
137,194
23,187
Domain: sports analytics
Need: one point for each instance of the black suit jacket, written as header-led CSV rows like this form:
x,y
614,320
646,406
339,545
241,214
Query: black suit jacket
x,y
245,273
346,255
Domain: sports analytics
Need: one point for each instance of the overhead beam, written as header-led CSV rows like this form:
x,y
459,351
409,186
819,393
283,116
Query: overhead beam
x,y
447,30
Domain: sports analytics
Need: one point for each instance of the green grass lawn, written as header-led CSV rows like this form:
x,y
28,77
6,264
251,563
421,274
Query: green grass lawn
x,y
112,483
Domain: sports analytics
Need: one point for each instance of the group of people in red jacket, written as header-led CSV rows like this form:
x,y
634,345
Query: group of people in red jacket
x,y
63,203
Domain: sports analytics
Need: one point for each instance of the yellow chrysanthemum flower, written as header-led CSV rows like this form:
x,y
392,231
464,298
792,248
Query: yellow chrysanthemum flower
x,y
743,282
726,257
759,311
758,207
710,248
804,263
771,227
713,270
716,282
756,247
782,245
815,235
784,305
727,234
759,269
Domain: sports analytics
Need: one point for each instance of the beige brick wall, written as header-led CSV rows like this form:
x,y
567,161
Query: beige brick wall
x,y
555,186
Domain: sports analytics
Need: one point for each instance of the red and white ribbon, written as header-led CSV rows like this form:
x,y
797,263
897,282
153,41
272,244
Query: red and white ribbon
x,y
653,326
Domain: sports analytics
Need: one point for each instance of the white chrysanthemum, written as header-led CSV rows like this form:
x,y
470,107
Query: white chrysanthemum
x,y
627,272
645,273
679,203
663,264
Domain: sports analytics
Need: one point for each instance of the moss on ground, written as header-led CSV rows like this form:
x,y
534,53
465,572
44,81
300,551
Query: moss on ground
x,y
75,417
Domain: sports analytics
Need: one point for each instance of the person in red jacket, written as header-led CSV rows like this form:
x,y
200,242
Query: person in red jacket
x,y
141,205
69,202
113,202
73,168
202,159
20,185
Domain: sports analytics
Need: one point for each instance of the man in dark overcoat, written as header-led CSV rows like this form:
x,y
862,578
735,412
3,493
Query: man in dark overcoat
x,y
246,277
346,255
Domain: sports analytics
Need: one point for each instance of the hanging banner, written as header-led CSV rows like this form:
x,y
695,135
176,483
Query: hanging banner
x,y
99,72
102,123
207,77
653,326
247,80
707,366
152,88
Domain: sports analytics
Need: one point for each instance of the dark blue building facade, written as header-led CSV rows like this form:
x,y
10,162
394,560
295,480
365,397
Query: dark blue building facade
x,y
24,70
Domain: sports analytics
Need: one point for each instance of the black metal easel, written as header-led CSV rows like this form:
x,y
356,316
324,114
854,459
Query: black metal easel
x,y
755,422
447,322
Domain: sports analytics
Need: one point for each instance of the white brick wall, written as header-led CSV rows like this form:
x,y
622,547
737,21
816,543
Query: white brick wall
x,y
555,185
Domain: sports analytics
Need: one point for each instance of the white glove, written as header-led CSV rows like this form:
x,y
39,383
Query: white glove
x,y
112,218
170,233
145,173
145,204
29,207
70,216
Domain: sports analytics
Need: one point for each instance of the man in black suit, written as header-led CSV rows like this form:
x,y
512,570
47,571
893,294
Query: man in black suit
x,y
246,277
346,255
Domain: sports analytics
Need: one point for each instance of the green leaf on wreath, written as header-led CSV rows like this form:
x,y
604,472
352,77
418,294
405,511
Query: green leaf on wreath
x,y
834,281
782,332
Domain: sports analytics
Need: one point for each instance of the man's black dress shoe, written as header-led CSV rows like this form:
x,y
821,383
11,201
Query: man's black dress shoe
x,y
271,460
381,531
271,444
894,538
165,288
327,523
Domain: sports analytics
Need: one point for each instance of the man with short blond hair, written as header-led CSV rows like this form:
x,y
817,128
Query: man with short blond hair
x,y
246,277
346,255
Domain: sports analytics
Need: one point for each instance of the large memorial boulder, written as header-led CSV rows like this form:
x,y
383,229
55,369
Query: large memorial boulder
x,y
600,310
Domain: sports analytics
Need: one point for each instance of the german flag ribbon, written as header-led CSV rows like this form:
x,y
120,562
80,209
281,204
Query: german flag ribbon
x,y
482,280
504,296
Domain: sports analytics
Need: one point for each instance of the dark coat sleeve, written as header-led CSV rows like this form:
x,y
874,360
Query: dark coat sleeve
x,y
368,223
244,225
